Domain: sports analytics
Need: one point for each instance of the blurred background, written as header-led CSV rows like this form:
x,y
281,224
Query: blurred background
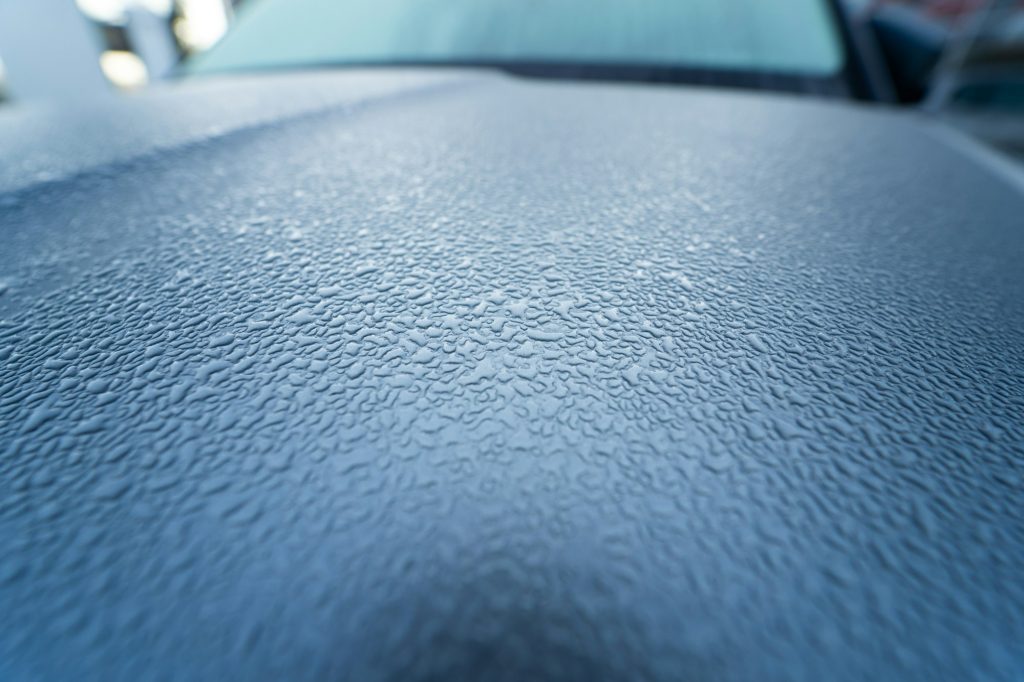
x,y
960,60
61,49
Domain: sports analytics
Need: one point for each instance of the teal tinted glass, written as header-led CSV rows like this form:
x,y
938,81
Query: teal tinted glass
x,y
782,36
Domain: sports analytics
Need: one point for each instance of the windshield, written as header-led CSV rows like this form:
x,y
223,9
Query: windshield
x,y
785,37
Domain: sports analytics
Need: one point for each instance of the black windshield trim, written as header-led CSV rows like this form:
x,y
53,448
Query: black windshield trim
x,y
591,71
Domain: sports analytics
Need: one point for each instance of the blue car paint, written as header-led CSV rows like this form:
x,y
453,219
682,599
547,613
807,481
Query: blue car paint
x,y
444,376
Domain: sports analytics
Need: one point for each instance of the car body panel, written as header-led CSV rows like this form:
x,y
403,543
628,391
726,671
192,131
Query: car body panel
x,y
451,375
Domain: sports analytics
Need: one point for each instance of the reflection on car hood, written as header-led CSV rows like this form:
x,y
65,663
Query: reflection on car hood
x,y
410,376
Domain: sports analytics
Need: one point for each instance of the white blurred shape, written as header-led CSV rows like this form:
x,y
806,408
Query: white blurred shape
x,y
124,69
107,11
114,11
202,22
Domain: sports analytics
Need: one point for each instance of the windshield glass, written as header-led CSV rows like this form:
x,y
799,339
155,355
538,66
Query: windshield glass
x,y
787,37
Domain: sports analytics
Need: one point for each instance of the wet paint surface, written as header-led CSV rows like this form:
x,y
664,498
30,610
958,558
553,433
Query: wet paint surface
x,y
489,379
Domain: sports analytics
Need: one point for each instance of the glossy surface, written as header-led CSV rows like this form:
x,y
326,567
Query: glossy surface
x,y
793,37
477,378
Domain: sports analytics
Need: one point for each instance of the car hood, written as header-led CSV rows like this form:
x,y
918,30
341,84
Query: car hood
x,y
447,375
